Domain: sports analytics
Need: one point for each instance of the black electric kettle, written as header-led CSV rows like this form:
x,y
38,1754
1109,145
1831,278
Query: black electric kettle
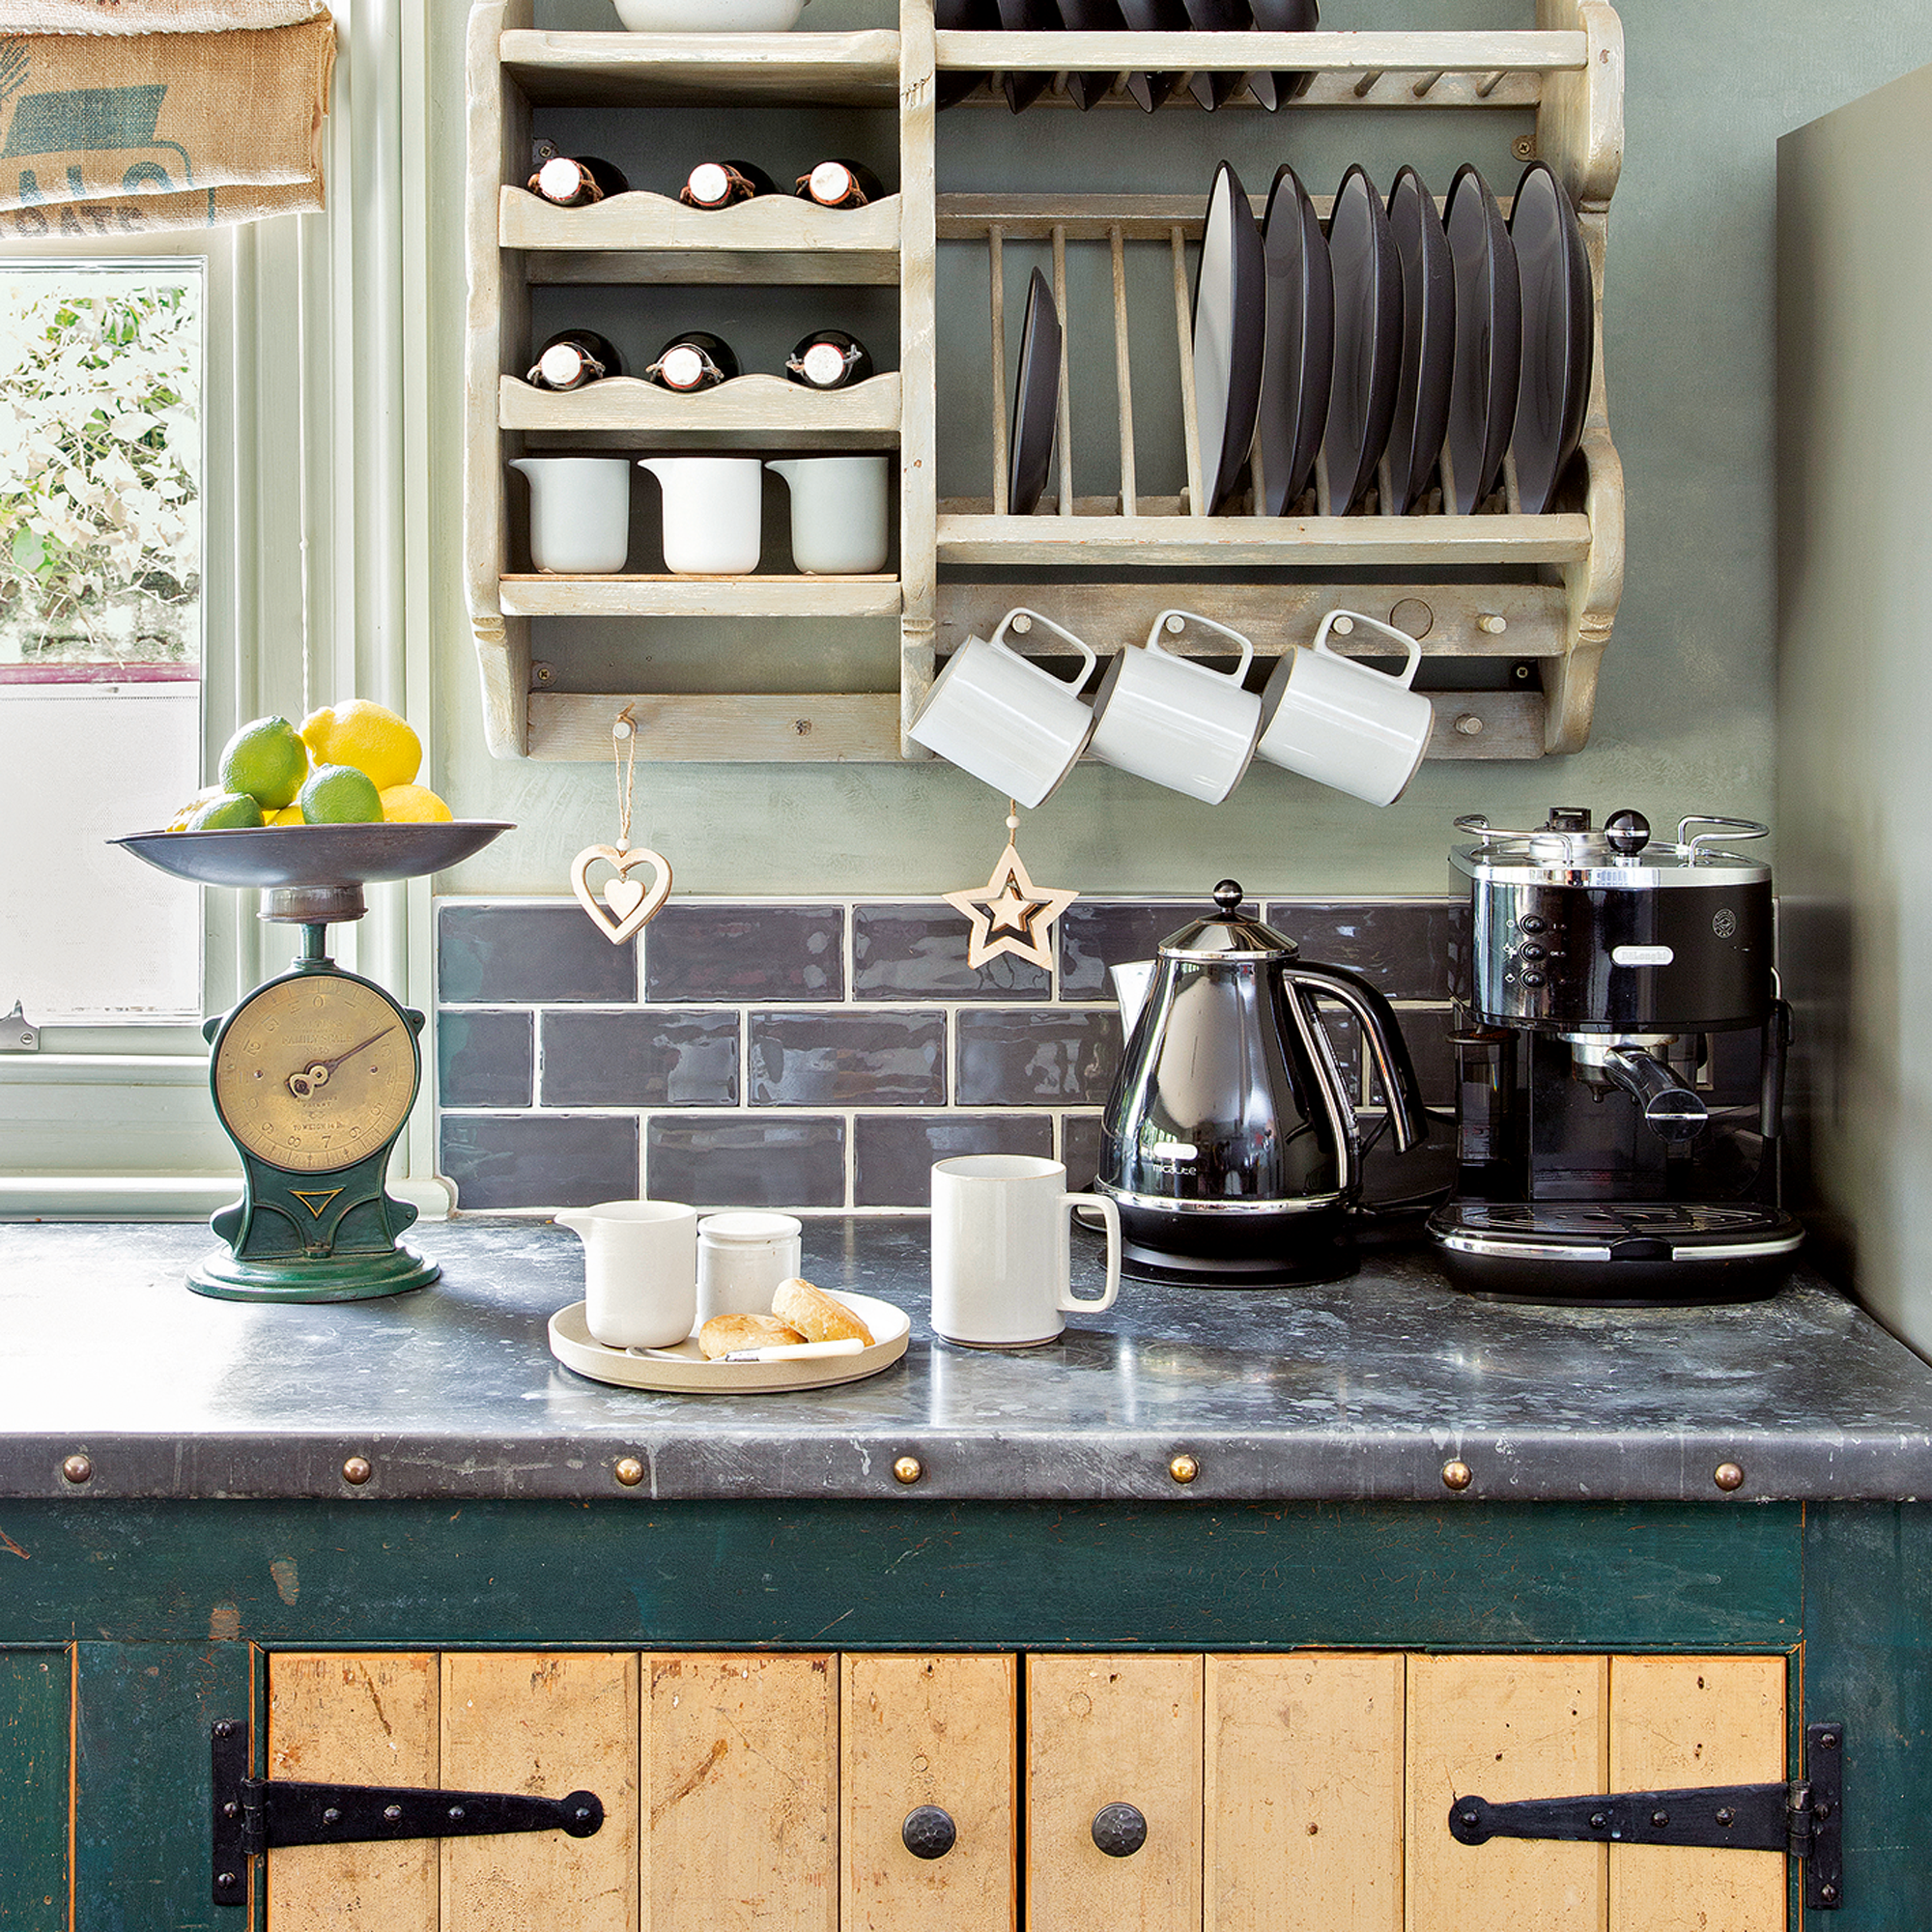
x,y
1229,1142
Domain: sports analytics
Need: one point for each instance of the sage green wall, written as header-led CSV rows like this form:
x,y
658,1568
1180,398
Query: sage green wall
x,y
1684,719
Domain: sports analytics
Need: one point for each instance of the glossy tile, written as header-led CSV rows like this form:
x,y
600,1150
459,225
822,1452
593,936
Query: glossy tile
x,y
745,953
893,1153
1406,949
483,1060
1080,1149
740,1161
1095,934
1427,1033
528,955
1013,1058
914,952
539,1160
848,1059
648,1058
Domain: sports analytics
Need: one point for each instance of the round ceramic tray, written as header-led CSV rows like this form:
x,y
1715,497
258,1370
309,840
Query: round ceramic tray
x,y
278,856
683,1370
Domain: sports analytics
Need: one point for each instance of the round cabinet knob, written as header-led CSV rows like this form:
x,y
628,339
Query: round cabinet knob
x,y
928,1831
1120,1829
1628,832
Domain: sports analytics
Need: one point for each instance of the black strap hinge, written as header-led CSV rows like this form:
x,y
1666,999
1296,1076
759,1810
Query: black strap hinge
x,y
1802,1819
254,1815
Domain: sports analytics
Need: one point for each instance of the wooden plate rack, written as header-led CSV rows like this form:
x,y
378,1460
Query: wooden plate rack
x,y
1542,589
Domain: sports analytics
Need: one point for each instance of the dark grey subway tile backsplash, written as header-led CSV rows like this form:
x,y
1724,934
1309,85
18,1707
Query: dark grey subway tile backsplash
x,y
822,1054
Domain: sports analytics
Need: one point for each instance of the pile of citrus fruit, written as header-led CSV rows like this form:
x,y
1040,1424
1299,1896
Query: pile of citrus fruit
x,y
350,764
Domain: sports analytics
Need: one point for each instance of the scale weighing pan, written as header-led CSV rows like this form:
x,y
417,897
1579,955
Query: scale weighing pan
x,y
274,856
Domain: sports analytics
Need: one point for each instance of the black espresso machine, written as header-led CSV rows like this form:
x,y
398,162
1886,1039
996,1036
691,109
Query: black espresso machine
x,y
1615,985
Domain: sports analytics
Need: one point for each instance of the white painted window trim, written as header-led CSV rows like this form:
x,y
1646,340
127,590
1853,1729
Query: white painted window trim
x,y
317,343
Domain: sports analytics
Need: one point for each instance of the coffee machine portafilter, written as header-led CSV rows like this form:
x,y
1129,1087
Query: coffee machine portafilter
x,y
1612,982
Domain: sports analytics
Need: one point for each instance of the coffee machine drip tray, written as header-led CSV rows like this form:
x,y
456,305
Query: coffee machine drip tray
x,y
1617,1254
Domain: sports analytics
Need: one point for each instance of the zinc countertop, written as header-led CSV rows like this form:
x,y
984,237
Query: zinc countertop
x,y
1362,1390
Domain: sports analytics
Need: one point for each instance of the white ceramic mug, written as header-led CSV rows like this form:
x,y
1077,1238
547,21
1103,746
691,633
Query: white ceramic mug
x,y
579,513
713,513
741,1260
1345,723
640,1270
1001,1252
839,523
1174,720
1011,724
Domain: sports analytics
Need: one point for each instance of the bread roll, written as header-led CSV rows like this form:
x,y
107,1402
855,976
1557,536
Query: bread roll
x,y
815,1315
728,1334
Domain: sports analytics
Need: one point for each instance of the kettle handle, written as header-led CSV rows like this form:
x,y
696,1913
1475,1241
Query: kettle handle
x,y
1382,1032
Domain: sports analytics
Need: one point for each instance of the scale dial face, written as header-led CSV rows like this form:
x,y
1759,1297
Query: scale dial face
x,y
315,1072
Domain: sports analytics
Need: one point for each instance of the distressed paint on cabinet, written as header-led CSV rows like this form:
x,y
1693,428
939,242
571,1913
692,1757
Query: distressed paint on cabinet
x,y
36,1706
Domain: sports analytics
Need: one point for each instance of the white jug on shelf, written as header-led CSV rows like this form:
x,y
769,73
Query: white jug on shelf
x,y
839,525
579,513
713,513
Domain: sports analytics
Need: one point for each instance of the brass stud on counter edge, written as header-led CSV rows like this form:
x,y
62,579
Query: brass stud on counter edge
x,y
1183,1468
357,1470
908,1469
1457,1474
628,1471
1728,1476
77,1470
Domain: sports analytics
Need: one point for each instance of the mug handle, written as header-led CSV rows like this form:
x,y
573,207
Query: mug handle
x,y
1405,677
1154,635
1086,658
1110,1214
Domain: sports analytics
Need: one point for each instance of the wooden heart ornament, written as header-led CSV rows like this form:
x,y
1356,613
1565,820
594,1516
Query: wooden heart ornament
x,y
631,904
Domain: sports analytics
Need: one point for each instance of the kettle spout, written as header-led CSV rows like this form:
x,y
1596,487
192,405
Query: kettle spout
x,y
1131,980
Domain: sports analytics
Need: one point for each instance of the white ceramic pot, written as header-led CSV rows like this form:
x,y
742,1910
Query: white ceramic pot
x,y
1177,721
741,1260
839,525
713,513
1345,723
640,1270
579,513
710,16
1001,717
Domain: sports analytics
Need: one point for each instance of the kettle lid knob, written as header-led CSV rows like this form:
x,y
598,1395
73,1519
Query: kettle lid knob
x,y
1227,896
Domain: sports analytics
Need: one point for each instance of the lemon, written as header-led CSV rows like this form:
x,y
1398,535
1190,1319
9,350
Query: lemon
x,y
265,762
232,811
368,736
415,805
340,795
207,795
289,814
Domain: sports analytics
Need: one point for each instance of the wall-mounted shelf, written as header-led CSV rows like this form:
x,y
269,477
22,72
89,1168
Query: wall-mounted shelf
x,y
1541,591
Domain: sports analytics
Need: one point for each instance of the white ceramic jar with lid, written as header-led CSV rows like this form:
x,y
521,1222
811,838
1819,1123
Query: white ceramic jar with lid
x,y
742,1258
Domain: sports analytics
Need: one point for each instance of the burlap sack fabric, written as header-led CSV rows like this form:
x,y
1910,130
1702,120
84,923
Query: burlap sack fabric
x,y
109,130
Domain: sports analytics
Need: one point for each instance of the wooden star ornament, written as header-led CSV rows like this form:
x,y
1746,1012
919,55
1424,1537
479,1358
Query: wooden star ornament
x,y
1009,913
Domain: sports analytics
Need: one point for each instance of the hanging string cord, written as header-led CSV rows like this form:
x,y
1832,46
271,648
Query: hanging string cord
x,y
302,465
624,770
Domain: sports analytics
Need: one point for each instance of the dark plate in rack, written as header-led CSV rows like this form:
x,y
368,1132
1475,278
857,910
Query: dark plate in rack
x,y
1154,17
1428,338
1368,340
1559,334
965,16
1035,401
1488,337
1218,16
1298,360
1229,336
1027,16
1091,17
314,855
1283,17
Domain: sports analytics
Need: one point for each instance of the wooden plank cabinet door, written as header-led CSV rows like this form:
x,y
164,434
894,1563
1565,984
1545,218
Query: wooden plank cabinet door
x,y
1102,1731
1691,1720
1302,1792
928,1731
741,1793
1503,1728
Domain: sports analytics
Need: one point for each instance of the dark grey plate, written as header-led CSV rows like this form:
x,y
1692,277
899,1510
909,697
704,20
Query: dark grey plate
x,y
1428,338
1230,308
314,855
965,16
1091,17
1368,339
1027,16
1559,334
1218,16
1035,401
1298,360
1154,17
1488,337
1283,17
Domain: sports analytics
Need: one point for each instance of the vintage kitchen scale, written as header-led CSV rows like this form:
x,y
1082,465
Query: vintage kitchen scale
x,y
315,1071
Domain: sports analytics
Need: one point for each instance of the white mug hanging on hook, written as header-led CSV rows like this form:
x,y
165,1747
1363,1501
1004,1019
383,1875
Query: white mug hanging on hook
x,y
1345,723
627,904
1176,720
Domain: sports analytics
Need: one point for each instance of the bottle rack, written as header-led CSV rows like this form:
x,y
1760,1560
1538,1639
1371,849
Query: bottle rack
x,y
1496,584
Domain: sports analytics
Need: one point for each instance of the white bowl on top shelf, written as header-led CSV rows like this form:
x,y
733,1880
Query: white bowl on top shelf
x,y
709,16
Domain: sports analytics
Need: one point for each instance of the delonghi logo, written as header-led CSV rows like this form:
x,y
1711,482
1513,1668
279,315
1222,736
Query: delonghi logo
x,y
1725,922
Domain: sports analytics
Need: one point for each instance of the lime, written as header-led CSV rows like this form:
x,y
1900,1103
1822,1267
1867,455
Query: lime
x,y
340,795
415,805
265,762
369,736
232,811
